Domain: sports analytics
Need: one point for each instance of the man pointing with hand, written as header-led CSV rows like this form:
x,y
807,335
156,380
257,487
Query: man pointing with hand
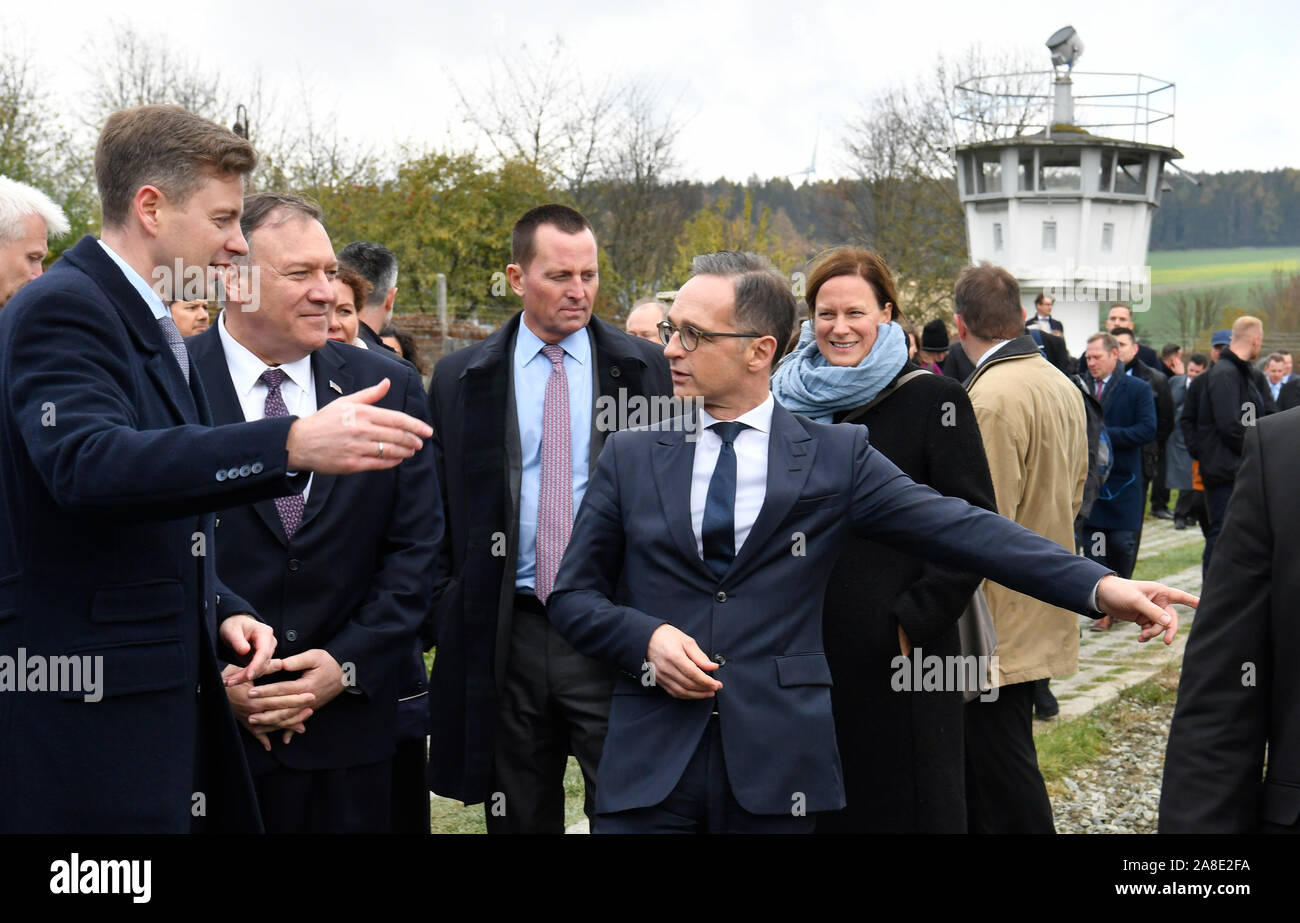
x,y
111,470
699,567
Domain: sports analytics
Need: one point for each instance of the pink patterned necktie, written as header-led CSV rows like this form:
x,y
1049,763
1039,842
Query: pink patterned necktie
x,y
555,498
291,506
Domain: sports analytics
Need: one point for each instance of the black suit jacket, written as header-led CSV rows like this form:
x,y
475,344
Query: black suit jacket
x,y
1240,689
356,577
632,564
476,446
1289,396
111,470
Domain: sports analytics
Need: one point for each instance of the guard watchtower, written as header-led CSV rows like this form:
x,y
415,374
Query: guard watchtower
x,y
1060,188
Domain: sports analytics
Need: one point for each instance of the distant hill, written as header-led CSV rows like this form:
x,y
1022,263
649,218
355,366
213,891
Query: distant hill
x,y
1245,208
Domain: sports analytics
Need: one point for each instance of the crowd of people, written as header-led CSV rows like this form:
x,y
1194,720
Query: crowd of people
x,y
262,524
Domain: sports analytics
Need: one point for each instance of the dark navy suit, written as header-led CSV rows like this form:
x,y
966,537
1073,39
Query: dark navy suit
x,y
1129,410
356,577
632,564
110,470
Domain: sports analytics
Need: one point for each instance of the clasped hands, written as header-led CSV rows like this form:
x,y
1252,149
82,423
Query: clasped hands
x,y
282,706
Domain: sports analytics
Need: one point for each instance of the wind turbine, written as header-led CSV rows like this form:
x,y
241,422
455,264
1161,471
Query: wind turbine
x,y
811,170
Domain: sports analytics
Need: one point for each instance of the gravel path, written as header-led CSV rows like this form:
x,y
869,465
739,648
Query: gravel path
x,y
1103,796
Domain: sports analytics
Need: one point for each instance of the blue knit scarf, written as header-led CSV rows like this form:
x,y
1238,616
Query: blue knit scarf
x,y
806,383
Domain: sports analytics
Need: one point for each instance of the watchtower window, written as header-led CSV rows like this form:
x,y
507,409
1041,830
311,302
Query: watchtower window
x,y
990,174
1049,236
997,235
1060,170
1131,177
1107,237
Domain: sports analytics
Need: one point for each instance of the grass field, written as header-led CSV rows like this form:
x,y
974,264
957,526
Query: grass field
x,y
1236,270
1177,270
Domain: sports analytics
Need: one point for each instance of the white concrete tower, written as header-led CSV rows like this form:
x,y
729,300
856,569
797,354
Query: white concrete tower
x,y
1060,189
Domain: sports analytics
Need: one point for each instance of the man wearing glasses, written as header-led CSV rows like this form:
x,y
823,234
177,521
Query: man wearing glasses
x,y
699,568
516,431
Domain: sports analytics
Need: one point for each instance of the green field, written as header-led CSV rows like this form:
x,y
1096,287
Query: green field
x,y
1237,271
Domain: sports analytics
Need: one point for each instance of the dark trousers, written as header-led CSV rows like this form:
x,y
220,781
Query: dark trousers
x,y
1005,792
1113,548
1159,492
1191,508
410,813
1216,502
352,800
702,802
553,702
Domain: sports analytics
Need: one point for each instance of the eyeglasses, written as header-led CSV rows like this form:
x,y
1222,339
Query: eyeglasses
x,y
691,335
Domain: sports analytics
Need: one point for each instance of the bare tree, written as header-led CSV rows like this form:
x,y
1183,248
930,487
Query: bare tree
x,y
638,209
135,71
536,108
900,149
1279,301
1196,311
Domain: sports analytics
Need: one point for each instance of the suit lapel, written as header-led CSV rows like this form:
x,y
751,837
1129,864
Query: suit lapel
x,y
208,362
159,362
674,460
332,379
790,456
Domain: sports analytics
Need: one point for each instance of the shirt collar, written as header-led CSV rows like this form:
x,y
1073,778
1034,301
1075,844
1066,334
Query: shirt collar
x,y
992,349
759,418
576,345
151,298
246,368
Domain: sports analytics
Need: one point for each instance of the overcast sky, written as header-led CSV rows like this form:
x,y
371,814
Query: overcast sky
x,y
753,80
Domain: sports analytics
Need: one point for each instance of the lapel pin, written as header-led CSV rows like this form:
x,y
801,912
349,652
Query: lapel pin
x,y
336,387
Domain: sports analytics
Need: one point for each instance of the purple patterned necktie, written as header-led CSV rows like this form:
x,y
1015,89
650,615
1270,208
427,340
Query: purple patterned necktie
x,y
555,498
291,506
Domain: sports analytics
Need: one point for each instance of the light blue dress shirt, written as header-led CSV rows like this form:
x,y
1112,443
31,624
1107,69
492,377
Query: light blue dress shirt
x,y
151,298
531,370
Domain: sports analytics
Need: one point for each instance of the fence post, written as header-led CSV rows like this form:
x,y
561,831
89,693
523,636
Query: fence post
x,y
442,302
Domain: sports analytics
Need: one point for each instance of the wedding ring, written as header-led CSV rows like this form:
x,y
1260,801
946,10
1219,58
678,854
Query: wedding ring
x,y
381,450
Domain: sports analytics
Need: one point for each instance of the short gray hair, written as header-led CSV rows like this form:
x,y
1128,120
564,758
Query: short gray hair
x,y
19,201
1108,341
765,303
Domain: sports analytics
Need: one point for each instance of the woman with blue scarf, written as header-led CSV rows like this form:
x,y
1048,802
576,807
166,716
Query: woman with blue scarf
x,y
901,750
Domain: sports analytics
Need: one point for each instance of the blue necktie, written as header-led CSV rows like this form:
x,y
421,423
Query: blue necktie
x,y
718,531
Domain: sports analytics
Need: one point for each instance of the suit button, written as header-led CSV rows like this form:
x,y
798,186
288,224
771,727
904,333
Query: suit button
x,y
615,371
719,660
245,470
232,473
293,564
221,475
291,635
256,467
720,596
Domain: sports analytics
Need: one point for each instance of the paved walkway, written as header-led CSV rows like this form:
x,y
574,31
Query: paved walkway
x,y
1112,661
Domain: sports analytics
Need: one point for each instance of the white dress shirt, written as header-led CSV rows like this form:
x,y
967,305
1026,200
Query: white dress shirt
x,y
992,349
298,390
751,469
